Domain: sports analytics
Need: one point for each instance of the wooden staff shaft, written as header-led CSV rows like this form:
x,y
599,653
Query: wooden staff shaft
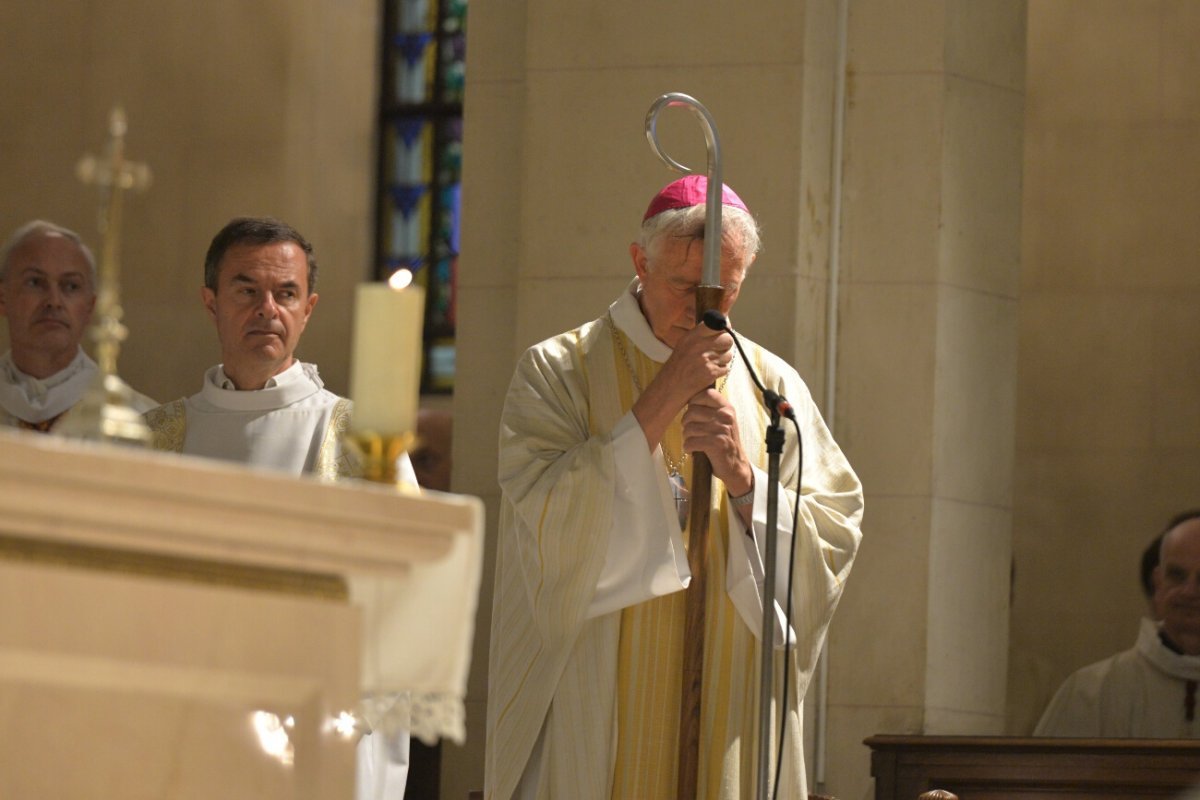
x,y
707,297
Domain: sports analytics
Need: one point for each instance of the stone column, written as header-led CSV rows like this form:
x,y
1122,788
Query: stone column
x,y
927,373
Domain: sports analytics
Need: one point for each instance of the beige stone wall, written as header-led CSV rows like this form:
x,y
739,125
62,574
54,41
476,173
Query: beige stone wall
x,y
239,108
928,377
267,107
1108,419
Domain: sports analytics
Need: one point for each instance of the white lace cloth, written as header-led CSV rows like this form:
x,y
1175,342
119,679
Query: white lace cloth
x,y
428,716
418,629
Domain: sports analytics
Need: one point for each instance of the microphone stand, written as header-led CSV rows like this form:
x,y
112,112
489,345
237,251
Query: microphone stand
x,y
778,406
767,641
774,450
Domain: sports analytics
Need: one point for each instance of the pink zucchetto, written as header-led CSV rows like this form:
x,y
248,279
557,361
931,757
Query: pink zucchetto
x,y
690,190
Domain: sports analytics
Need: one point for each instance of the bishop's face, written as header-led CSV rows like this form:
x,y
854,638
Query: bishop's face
x,y
1177,586
48,296
670,274
260,307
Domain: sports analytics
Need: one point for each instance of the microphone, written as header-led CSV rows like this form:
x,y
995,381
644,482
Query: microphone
x,y
775,402
717,321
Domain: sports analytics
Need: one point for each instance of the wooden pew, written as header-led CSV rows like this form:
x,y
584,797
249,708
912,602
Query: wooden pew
x,y
1012,768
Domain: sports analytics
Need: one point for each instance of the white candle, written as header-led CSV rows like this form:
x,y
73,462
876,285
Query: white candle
x,y
385,373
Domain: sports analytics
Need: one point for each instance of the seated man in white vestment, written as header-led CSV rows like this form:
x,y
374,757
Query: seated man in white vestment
x,y
263,407
1148,691
47,293
587,620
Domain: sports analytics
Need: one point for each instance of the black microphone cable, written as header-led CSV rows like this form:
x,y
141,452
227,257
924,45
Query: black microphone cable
x,y
776,403
787,651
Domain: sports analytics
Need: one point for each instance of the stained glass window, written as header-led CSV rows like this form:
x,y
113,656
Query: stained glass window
x,y
420,164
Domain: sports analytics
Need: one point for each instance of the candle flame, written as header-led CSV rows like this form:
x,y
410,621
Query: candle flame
x,y
400,279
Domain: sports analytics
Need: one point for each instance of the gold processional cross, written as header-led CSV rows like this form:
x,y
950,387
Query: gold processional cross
x,y
105,411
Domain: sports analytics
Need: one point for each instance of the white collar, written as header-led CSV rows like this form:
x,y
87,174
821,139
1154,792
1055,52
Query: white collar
x,y
223,380
627,316
1151,647
38,399
295,383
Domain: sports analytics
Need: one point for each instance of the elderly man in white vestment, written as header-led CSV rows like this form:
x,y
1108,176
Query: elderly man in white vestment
x,y
47,293
1148,691
587,621
262,407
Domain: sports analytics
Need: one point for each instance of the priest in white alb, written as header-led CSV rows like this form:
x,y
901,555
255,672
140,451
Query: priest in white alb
x,y
47,294
263,407
587,621
1150,690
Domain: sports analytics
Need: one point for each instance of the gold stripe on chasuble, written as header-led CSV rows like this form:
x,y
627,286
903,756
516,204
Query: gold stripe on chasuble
x,y
650,657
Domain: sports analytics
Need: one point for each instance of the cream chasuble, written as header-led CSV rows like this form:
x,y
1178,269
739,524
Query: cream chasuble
x,y
38,403
294,425
1148,691
590,563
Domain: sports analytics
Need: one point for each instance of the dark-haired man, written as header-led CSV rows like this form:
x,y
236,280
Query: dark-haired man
x,y
263,407
1148,691
260,405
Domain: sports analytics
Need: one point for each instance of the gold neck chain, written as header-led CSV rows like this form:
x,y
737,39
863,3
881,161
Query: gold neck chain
x,y
673,467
